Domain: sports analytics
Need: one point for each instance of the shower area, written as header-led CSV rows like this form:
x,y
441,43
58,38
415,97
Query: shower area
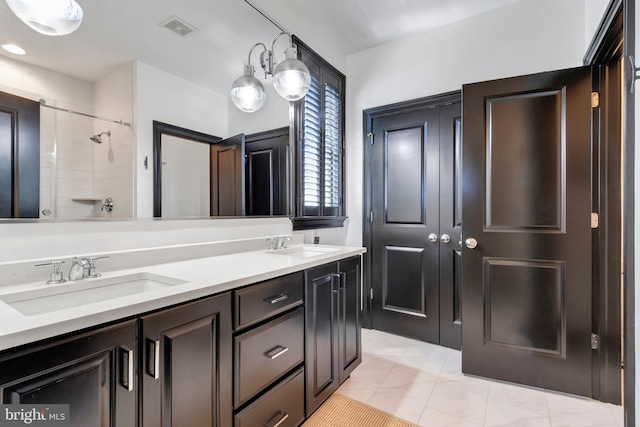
x,y
87,145
86,164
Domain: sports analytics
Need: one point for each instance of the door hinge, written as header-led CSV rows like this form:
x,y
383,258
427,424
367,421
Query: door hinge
x,y
595,341
371,296
594,220
595,99
371,216
370,135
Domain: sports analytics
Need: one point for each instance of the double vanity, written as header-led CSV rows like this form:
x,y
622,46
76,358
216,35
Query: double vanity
x,y
222,335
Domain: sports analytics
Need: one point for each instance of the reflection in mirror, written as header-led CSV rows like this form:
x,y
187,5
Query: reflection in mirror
x,y
196,174
182,182
123,72
185,177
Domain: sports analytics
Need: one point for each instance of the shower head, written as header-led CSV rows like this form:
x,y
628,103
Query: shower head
x,y
98,138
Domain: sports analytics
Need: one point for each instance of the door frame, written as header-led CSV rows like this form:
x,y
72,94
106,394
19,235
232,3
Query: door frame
x,y
367,237
618,27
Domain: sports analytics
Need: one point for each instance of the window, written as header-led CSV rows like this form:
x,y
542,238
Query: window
x,y
319,126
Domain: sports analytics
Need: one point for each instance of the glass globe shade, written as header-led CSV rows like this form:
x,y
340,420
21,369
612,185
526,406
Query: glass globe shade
x,y
49,17
292,79
247,93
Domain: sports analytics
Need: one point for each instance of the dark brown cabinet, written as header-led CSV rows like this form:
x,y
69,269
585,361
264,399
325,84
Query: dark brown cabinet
x,y
268,346
186,365
332,327
94,373
266,354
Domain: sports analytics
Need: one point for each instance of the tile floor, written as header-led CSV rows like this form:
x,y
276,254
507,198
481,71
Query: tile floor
x,y
422,383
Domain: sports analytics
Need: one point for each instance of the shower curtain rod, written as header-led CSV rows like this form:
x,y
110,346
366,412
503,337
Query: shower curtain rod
x,y
120,122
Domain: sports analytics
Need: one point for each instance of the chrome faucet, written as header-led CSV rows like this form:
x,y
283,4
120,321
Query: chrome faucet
x,y
277,243
280,242
89,267
83,268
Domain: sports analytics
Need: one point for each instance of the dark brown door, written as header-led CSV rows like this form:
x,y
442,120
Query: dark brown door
x,y
93,373
450,225
187,366
322,368
19,157
416,213
227,177
266,172
405,205
527,286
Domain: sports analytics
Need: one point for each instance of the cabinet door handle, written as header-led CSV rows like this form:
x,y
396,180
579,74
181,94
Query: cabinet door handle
x,y
126,368
153,358
343,281
277,351
277,419
276,298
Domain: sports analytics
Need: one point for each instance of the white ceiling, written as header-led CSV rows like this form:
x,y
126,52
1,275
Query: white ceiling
x,y
117,31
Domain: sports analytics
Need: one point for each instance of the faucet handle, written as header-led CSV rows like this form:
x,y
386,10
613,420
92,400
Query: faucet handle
x,y
93,268
272,243
56,275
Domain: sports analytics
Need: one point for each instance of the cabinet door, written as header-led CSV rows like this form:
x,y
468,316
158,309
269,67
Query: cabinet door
x,y
186,365
321,328
93,373
349,333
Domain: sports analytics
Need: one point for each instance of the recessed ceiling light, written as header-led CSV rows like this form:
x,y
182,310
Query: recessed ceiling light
x,y
14,49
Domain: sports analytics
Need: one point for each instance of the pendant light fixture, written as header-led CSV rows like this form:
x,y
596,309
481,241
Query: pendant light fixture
x,y
48,17
291,78
247,93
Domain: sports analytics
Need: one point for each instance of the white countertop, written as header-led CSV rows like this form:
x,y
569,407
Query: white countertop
x,y
203,277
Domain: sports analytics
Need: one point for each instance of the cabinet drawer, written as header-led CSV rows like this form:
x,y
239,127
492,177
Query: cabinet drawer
x,y
284,405
259,302
264,354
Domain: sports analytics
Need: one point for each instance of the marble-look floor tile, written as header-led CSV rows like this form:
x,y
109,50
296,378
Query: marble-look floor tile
x,y
423,383
356,390
432,418
464,398
573,411
402,402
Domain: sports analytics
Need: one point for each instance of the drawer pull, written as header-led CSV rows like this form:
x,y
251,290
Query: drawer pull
x,y
277,419
126,373
276,352
276,299
153,358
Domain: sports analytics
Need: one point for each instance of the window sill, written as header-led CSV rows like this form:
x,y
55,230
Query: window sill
x,y
313,222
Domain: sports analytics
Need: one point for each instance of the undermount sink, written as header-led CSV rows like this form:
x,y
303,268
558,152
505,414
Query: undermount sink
x,y
304,251
87,291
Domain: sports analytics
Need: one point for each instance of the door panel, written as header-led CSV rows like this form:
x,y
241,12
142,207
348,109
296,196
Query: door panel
x,y
527,288
19,157
227,177
266,170
450,224
405,204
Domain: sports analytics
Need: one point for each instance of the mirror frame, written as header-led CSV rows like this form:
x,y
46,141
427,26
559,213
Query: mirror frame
x,y
159,129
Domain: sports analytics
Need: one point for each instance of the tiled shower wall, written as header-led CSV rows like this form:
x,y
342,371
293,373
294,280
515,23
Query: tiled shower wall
x,y
69,180
113,159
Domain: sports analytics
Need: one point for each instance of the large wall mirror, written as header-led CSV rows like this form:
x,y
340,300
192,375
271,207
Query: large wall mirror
x,y
129,64
197,174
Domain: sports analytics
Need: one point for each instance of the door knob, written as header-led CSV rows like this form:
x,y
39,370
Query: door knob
x,y
445,238
433,238
471,243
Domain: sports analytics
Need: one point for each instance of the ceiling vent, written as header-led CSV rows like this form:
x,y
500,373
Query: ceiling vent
x,y
179,26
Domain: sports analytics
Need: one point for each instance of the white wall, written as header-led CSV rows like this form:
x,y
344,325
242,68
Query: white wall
x,y
164,97
273,114
113,159
522,38
594,11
